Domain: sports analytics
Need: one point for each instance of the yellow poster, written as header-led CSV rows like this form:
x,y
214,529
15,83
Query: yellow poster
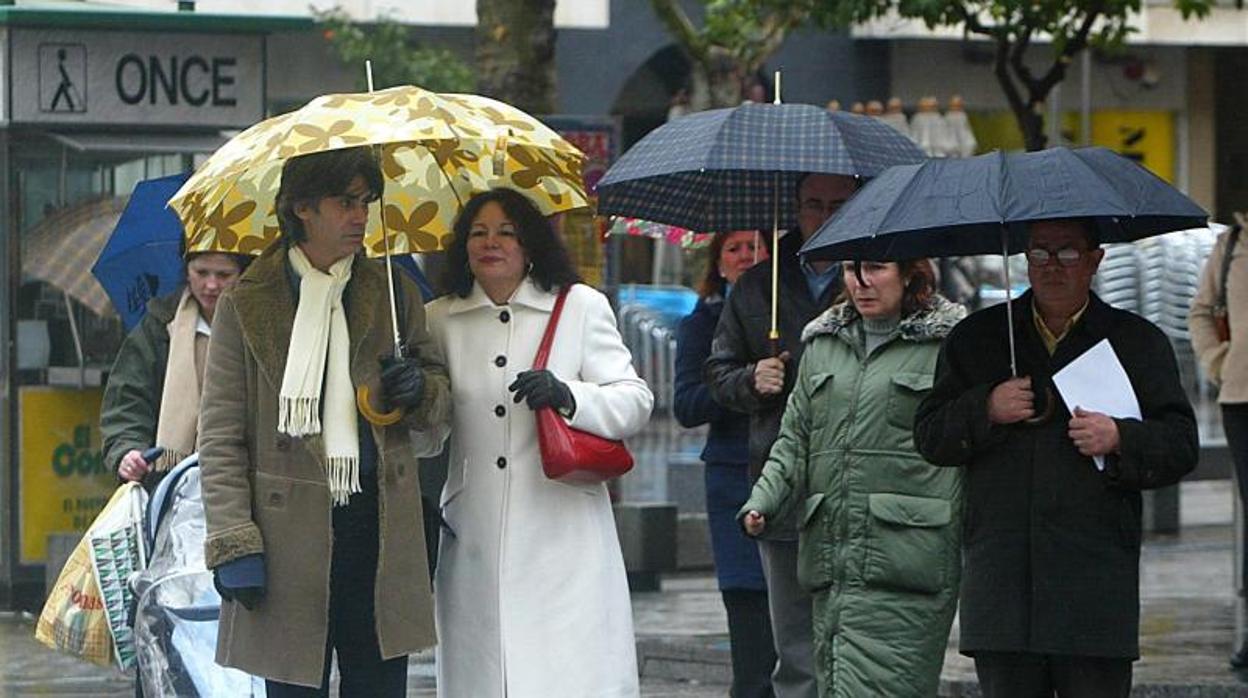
x,y
62,479
1144,136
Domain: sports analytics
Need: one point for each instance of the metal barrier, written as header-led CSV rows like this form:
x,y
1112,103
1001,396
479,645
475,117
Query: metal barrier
x,y
651,337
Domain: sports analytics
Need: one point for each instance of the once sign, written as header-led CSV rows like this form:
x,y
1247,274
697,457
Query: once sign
x,y
198,81
133,78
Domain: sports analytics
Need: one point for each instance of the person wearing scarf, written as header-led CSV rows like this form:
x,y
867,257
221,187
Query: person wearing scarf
x,y
152,395
315,531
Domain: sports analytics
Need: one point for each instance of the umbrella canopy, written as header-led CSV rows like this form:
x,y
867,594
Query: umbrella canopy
x,y
435,151
955,207
725,169
143,256
61,248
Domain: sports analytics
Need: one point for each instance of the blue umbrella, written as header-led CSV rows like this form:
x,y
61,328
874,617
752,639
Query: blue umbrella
x,y
981,205
725,169
143,257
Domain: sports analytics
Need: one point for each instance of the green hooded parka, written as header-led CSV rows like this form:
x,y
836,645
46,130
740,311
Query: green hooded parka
x,y
879,528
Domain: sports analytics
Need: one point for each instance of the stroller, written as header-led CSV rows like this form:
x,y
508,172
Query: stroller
x,y
175,616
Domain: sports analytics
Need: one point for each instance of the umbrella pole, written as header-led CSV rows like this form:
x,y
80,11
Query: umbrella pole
x,y
385,244
1009,300
773,336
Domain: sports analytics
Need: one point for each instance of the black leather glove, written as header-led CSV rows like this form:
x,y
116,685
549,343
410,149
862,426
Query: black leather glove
x,y
402,382
541,389
241,580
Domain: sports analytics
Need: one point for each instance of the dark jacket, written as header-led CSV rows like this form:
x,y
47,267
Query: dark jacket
x,y
1051,544
131,405
728,440
741,340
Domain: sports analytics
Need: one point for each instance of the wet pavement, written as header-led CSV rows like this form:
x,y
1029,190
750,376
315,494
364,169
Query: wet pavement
x,y
1187,628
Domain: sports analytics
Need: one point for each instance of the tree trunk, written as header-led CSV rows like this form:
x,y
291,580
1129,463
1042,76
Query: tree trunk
x,y
1031,125
516,53
716,82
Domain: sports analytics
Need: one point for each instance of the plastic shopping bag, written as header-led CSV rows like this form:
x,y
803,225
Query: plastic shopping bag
x,y
73,619
83,618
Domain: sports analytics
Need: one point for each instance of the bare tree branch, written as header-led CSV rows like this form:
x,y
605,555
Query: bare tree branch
x,y
1077,43
1017,53
1002,70
678,23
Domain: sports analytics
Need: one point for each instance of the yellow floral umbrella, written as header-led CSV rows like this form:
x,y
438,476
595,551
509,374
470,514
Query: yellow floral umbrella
x,y
436,150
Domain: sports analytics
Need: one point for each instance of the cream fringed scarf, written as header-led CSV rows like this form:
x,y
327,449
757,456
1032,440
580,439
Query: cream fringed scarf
x,y
176,428
320,333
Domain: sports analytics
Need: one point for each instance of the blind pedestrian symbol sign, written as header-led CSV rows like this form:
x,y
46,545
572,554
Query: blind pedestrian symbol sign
x,y
63,78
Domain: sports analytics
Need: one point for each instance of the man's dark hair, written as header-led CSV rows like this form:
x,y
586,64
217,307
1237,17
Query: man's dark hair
x,y
1088,226
801,179
551,266
309,178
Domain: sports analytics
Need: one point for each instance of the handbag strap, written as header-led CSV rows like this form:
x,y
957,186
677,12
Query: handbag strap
x,y
543,349
1226,263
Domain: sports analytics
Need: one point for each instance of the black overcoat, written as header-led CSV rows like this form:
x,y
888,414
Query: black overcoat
x,y
1051,544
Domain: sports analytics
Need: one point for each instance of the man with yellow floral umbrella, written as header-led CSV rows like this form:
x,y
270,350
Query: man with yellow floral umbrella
x,y
313,511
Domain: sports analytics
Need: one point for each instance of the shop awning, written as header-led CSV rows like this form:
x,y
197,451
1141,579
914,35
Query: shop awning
x,y
141,143
61,248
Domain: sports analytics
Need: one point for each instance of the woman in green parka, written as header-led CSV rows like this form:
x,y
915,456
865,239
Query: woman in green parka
x,y
879,528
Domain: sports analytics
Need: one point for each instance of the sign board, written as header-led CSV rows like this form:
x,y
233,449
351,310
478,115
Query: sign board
x,y
1146,136
599,138
62,481
98,78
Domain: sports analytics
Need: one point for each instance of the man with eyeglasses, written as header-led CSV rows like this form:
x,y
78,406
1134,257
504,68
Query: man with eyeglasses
x,y
1050,584
747,373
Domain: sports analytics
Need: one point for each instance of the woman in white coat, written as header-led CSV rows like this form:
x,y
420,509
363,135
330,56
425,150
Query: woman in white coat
x,y
532,598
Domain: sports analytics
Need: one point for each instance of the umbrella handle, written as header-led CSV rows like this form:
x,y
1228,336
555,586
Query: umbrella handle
x,y
1049,408
375,417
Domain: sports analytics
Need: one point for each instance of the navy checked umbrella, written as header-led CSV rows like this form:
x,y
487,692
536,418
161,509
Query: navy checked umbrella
x,y
718,170
981,205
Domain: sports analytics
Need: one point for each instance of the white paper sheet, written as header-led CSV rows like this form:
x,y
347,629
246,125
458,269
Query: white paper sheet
x,y
1097,382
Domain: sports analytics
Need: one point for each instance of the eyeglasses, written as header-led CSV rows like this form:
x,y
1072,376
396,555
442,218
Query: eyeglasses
x,y
1067,256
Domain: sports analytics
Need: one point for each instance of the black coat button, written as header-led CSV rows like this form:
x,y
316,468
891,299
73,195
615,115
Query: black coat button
x,y
501,462
500,361
504,316
499,410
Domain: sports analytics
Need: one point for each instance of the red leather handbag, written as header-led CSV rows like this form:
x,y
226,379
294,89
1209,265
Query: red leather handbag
x,y
572,455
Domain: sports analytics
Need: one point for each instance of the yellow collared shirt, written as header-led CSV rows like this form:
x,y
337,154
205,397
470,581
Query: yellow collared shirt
x,y
1050,340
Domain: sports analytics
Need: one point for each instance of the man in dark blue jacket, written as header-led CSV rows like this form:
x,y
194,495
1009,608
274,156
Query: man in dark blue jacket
x,y
746,372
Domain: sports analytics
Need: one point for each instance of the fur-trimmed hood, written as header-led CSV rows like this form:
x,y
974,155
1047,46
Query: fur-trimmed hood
x,y
931,323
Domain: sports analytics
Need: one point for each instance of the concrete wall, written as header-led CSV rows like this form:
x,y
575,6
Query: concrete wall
x,y
945,67
595,65
1201,129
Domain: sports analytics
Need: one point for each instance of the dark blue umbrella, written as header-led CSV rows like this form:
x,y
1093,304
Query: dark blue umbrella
x,y
725,169
981,205
143,257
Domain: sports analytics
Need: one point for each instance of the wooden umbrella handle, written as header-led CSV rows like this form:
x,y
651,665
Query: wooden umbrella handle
x,y
381,419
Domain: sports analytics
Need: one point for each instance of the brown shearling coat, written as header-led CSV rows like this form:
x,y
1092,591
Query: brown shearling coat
x,y
265,492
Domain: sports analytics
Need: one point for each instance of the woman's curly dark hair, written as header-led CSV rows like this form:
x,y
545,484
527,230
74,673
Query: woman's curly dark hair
x,y
551,266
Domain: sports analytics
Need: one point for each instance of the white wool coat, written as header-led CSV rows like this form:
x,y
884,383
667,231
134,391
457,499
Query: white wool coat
x,y
531,594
